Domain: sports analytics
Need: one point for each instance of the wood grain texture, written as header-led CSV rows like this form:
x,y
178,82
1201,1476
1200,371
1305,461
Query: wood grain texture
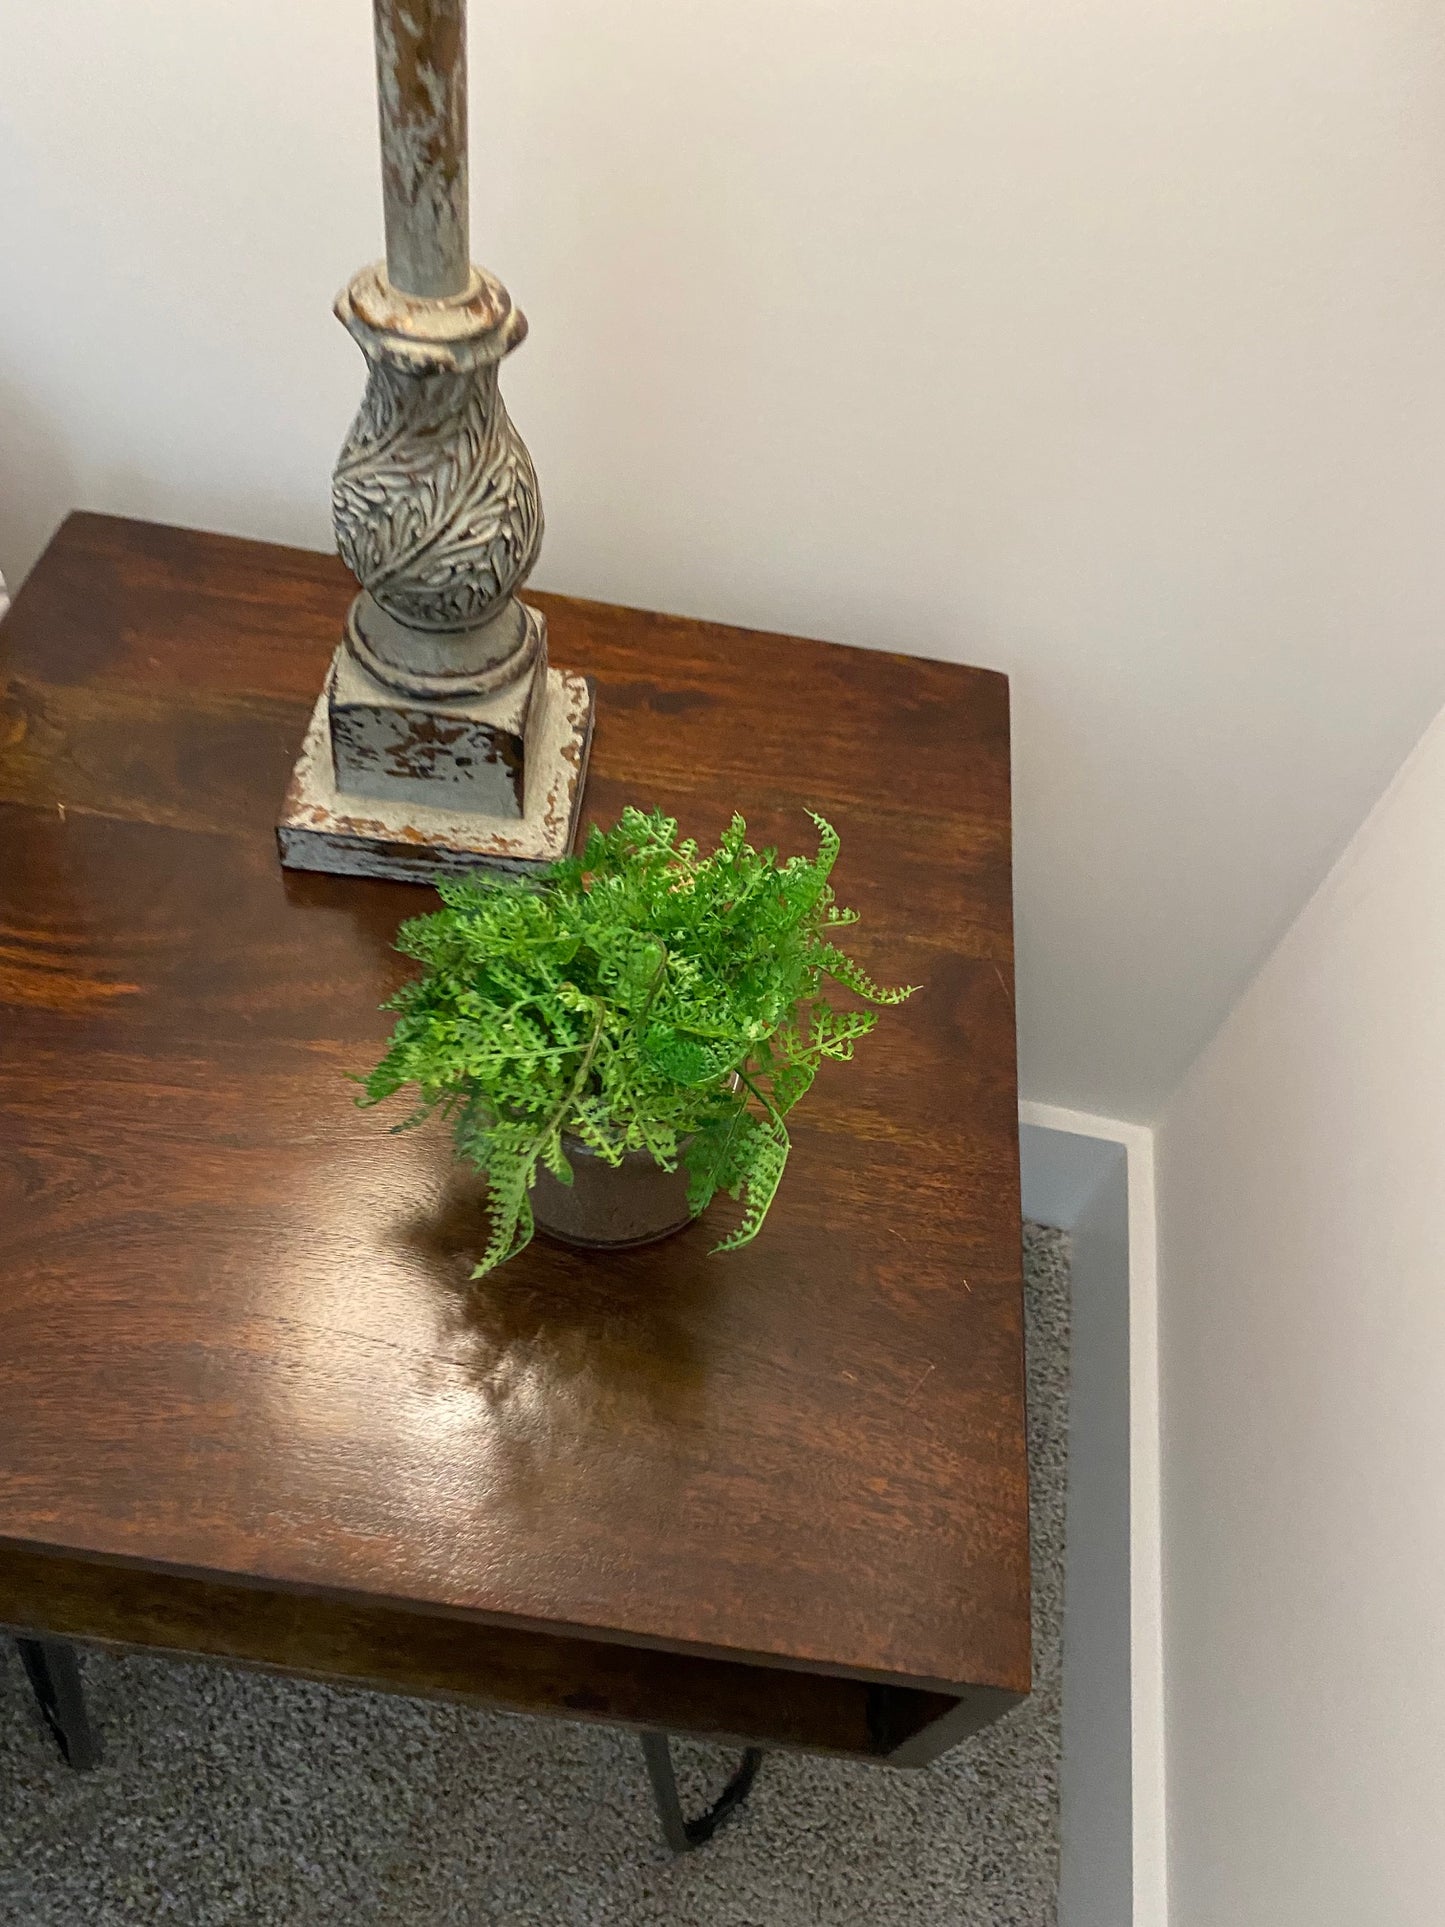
x,y
240,1341
434,1655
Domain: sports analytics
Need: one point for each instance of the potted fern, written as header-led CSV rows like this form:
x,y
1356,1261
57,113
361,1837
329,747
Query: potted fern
x,y
619,1041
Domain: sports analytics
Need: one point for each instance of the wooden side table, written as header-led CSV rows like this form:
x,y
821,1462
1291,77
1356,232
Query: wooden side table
x,y
250,1405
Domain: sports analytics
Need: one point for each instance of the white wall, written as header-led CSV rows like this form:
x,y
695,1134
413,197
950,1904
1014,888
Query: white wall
x,y
1303,1383
1101,343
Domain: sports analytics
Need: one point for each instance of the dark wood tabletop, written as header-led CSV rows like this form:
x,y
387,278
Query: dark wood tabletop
x,y
251,1403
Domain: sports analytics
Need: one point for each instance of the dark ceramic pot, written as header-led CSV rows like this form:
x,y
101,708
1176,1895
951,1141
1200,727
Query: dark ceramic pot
x,y
608,1206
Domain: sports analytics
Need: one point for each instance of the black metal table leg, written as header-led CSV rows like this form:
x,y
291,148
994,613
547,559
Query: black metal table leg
x,y
680,1833
55,1678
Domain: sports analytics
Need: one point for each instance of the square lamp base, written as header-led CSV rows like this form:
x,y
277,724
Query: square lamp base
x,y
323,828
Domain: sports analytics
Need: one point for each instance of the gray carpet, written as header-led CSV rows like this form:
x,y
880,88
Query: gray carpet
x,y
229,1797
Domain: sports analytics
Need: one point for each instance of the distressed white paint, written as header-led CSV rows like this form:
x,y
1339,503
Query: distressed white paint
x,y
324,828
1102,344
423,142
1303,1328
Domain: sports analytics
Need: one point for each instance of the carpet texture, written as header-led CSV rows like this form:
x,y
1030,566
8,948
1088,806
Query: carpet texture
x,y
234,1798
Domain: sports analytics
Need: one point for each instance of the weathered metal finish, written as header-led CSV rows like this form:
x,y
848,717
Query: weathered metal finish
x,y
324,828
446,741
421,86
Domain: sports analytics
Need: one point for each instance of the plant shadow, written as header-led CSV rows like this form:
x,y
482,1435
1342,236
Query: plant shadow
x,y
614,1336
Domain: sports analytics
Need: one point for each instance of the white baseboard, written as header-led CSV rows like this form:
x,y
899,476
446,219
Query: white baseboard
x,y
1075,1177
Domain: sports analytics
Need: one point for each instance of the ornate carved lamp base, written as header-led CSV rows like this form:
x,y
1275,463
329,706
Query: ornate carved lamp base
x,y
442,742
422,826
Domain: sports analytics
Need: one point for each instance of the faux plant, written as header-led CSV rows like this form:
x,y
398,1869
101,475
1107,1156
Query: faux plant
x,y
638,996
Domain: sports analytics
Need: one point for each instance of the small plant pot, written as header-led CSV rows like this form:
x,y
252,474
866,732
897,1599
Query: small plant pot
x,y
610,1206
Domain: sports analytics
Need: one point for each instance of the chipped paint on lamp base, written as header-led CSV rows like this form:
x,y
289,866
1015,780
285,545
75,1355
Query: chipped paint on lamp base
x,y
325,828
464,752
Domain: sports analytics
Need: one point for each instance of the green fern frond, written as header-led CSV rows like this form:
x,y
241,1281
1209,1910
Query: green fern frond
x,y
766,1155
852,976
637,996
